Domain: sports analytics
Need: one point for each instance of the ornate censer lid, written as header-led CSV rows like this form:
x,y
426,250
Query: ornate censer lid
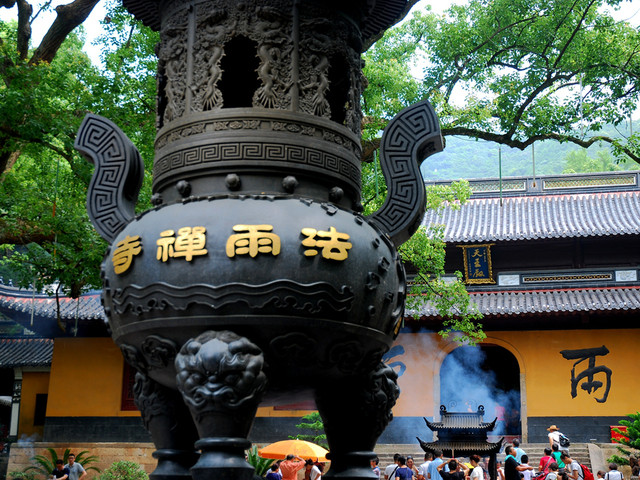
x,y
377,15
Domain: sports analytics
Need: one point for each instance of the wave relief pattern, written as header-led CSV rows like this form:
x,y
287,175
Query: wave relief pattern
x,y
281,294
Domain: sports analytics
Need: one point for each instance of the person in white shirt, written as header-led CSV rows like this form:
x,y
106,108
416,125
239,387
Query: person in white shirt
x,y
314,471
613,473
390,471
524,462
476,473
422,469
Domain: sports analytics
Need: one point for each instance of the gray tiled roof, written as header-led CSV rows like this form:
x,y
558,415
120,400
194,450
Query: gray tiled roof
x,y
87,307
542,216
25,352
459,421
461,447
545,301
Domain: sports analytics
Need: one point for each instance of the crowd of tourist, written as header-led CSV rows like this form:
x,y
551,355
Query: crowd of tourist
x,y
555,464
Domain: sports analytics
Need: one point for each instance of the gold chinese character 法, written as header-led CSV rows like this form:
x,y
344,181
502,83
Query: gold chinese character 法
x,y
252,240
334,244
190,242
124,253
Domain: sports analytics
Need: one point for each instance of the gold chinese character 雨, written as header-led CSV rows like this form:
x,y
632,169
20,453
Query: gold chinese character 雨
x,y
189,243
124,253
334,244
252,240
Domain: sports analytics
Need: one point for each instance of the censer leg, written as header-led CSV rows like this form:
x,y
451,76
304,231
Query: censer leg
x,y
168,421
355,412
221,380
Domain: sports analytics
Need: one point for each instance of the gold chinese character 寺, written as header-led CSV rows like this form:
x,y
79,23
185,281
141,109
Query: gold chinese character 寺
x,y
334,244
124,253
252,240
189,243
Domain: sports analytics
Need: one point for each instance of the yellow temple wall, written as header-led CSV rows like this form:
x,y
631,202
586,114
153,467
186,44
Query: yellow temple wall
x,y
86,379
545,373
33,383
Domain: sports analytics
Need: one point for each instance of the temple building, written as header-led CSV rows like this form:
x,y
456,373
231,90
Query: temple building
x,y
551,262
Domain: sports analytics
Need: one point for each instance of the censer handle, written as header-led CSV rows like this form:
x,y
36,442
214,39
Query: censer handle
x,y
410,137
117,178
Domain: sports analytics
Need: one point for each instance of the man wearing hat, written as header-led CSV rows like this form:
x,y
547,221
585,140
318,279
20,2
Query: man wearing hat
x,y
554,436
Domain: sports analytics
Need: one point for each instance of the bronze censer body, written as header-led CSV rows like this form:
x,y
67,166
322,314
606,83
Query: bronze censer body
x,y
255,271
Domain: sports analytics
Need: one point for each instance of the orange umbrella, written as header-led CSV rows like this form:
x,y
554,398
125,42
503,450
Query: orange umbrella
x,y
301,448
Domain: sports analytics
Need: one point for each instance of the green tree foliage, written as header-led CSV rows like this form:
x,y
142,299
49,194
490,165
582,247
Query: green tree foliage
x,y
124,470
45,233
630,440
424,255
516,71
312,423
579,161
46,464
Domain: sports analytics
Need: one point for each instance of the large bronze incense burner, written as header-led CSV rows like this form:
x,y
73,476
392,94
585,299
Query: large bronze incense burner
x,y
255,271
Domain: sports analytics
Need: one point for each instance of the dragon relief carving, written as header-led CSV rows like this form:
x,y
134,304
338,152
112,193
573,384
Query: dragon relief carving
x,y
314,69
274,51
214,27
172,56
353,118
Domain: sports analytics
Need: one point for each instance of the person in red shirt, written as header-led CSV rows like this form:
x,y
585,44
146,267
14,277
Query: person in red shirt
x,y
546,461
290,467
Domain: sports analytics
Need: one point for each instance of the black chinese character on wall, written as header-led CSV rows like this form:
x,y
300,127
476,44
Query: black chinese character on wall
x,y
590,383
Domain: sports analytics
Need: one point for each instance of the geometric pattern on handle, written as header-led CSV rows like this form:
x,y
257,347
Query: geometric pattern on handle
x,y
117,178
412,136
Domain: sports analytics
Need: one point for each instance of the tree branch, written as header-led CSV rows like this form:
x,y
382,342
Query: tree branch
x,y
69,17
532,96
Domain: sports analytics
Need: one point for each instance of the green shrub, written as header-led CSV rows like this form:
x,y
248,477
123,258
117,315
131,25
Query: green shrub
x,y
124,470
313,424
45,465
260,464
631,439
22,476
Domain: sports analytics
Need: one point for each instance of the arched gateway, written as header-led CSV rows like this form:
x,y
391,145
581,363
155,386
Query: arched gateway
x,y
487,375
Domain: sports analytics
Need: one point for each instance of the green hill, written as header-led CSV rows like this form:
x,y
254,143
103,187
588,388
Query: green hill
x,y
468,158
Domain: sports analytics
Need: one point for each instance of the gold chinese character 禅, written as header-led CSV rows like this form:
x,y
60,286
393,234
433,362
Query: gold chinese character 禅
x,y
190,242
252,240
124,253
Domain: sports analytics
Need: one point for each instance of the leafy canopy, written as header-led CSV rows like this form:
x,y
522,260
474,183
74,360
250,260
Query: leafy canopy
x,y
45,233
515,71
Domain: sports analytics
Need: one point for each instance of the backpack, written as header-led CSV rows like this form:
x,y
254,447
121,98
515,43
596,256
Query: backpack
x,y
586,473
564,440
